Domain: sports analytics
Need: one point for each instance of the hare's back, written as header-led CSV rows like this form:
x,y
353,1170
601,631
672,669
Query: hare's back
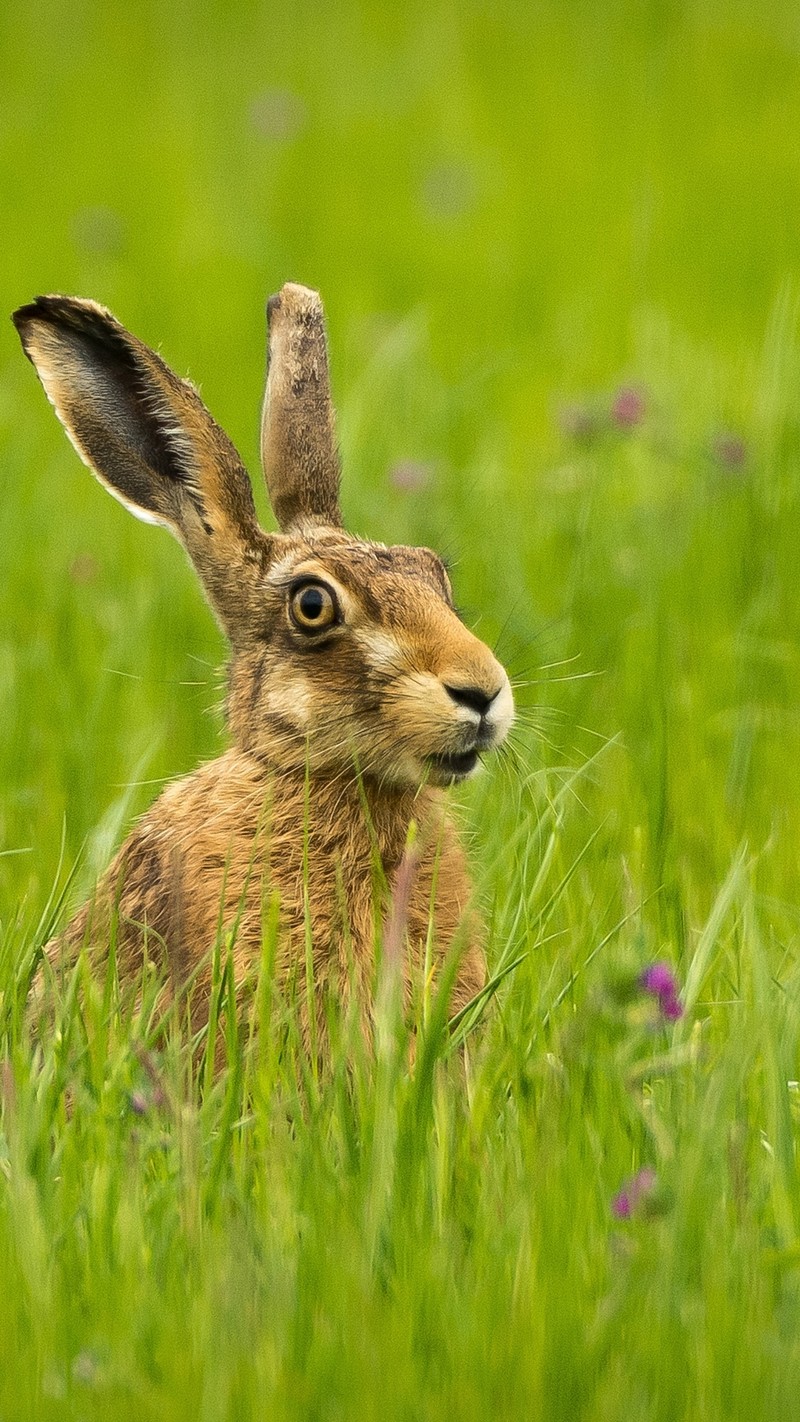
x,y
181,873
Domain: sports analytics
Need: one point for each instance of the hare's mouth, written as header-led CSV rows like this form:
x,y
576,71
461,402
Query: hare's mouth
x,y
453,767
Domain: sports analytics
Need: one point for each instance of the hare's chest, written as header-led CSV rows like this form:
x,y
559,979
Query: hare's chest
x,y
325,871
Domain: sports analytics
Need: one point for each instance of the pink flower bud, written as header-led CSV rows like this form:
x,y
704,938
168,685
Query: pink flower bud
x,y
628,407
660,982
633,1193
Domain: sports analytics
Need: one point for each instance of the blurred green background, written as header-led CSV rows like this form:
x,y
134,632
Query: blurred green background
x,y
558,248
512,211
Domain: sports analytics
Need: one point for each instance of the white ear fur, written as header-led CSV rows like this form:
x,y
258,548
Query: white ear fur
x,y
49,379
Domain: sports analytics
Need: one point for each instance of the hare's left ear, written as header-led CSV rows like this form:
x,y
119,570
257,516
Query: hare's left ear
x,y
298,442
148,437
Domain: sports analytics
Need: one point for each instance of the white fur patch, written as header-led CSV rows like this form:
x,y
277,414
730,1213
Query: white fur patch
x,y
291,701
383,651
501,713
280,571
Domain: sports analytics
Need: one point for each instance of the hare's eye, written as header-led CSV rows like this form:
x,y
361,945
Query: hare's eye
x,y
313,607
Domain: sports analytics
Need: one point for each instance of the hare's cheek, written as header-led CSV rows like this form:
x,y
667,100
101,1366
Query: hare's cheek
x,y
383,655
418,714
290,700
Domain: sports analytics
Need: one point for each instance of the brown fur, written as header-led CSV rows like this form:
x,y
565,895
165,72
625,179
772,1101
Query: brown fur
x,y
297,435
183,872
342,730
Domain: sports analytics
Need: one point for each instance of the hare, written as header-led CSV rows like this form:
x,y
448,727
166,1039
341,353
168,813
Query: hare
x,y
355,697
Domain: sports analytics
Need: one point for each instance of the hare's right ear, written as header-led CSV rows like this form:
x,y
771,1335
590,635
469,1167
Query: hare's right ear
x,y
298,441
150,439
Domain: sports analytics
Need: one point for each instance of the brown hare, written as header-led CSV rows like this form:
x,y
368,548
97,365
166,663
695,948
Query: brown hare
x,y
355,692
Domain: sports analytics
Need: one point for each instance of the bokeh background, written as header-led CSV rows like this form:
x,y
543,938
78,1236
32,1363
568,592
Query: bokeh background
x,y
558,250
557,241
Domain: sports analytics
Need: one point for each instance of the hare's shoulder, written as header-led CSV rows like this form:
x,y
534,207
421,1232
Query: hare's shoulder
x,y
170,871
221,801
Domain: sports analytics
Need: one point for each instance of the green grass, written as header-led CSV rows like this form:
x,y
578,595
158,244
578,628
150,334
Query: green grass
x,y
512,211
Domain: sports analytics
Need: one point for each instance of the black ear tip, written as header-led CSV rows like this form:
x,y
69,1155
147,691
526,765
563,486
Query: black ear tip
x,y
60,310
25,314
25,319
53,310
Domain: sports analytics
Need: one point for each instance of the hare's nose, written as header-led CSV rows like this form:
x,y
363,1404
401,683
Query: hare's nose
x,y
472,696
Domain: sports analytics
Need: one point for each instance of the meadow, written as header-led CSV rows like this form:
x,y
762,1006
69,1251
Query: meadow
x,y
557,245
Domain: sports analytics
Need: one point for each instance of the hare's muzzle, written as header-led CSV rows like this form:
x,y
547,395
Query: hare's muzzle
x,y
484,718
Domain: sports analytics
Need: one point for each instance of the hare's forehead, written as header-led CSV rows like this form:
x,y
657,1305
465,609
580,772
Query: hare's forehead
x,y
384,581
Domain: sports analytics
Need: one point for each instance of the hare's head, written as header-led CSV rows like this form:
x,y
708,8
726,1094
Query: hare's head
x,y
344,651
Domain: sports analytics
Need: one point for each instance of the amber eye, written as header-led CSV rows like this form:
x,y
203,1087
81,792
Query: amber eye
x,y
313,607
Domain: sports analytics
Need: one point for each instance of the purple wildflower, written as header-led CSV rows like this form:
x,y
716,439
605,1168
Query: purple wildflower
x,y
730,451
659,979
633,1193
628,407
139,1103
660,982
671,1008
